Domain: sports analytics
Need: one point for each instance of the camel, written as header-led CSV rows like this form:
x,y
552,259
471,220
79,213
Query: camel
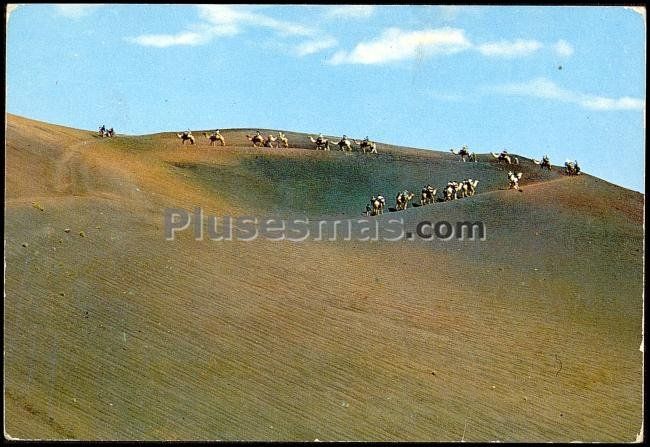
x,y
451,191
367,145
468,188
345,144
256,139
402,200
186,136
428,195
282,137
545,163
571,168
321,143
472,185
270,139
504,156
378,203
513,180
464,152
214,137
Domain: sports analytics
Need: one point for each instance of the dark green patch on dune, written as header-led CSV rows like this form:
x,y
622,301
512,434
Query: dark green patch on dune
x,y
336,184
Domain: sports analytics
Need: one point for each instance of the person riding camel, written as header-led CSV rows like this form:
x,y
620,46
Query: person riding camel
x,y
319,140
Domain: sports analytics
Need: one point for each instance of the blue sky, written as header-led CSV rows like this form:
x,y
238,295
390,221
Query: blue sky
x,y
565,81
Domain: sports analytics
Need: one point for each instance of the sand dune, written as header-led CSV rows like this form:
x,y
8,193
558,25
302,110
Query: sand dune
x,y
111,332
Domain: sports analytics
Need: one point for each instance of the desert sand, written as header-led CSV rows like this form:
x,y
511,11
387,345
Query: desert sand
x,y
113,333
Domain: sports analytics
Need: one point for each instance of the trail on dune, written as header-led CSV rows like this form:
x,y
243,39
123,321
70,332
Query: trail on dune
x,y
68,178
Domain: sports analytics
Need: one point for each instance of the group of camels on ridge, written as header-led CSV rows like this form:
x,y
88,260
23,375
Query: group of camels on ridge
x,y
345,144
571,167
465,188
259,140
453,190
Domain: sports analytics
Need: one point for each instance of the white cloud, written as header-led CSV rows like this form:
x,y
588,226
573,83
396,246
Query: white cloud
x,y
509,49
75,11
539,87
395,44
563,48
223,20
238,16
624,103
314,46
350,11
547,89
168,40
197,35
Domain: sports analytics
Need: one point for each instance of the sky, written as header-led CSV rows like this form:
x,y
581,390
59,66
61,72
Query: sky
x,y
564,81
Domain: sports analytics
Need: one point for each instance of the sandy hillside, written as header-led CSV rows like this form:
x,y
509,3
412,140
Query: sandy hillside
x,y
112,332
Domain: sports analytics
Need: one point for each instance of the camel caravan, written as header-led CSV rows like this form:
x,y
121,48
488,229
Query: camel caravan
x,y
103,132
259,140
454,190
345,144
458,190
